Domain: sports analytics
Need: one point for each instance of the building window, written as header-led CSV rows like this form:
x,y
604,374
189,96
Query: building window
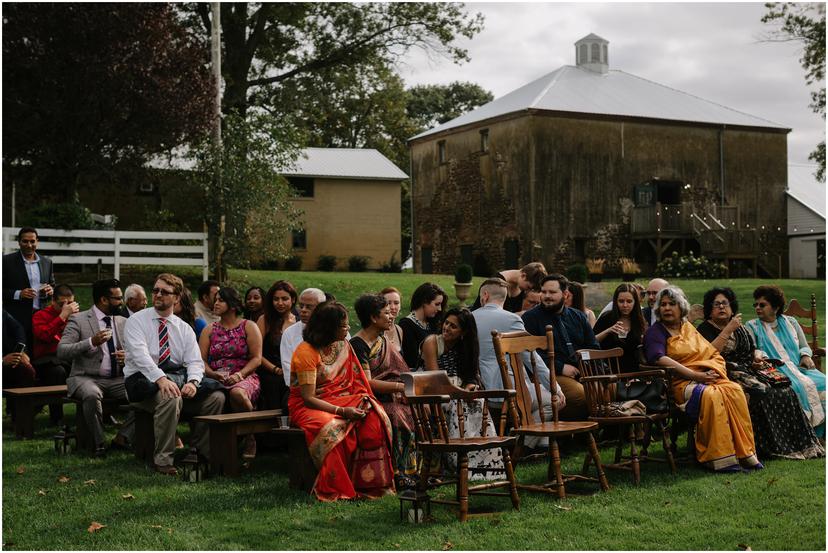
x,y
441,151
595,53
146,187
426,260
484,141
584,57
300,239
510,253
302,186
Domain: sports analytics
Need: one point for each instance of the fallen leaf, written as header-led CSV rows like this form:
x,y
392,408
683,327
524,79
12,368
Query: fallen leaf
x,y
95,526
169,531
666,503
744,547
397,545
727,482
90,482
447,545
21,469
780,513
63,479
156,526
563,507
127,496
772,481
41,492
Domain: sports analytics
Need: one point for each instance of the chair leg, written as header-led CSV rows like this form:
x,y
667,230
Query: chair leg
x,y
510,476
667,449
619,445
636,464
463,485
587,462
648,438
596,456
555,465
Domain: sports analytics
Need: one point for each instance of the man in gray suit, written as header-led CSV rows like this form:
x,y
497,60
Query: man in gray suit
x,y
491,316
92,341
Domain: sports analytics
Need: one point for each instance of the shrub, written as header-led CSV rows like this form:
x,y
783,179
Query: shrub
x,y
629,266
689,266
326,263
293,263
463,273
67,216
392,265
358,263
577,273
595,265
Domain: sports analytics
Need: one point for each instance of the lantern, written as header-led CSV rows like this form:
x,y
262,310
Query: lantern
x,y
63,441
193,467
420,505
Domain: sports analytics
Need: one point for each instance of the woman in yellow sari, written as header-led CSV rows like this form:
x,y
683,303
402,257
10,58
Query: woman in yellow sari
x,y
724,435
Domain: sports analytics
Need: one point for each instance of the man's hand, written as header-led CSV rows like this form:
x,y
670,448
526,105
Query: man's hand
x,y
68,310
570,371
120,356
28,293
101,337
47,290
188,390
12,359
560,399
167,388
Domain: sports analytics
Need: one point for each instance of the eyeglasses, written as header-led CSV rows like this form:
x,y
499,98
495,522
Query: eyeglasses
x,y
721,304
161,292
116,298
760,305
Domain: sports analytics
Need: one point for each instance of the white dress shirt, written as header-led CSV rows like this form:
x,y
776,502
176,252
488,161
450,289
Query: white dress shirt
x,y
33,272
141,345
291,338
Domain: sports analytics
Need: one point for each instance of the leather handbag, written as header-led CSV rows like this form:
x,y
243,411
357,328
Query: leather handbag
x,y
629,408
370,469
770,375
652,392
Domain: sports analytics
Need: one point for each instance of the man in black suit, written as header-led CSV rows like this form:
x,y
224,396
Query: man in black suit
x,y
27,281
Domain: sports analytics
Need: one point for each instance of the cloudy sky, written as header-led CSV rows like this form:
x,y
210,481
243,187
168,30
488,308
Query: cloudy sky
x,y
715,51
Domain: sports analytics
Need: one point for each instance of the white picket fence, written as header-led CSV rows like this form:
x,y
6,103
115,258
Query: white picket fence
x,y
117,247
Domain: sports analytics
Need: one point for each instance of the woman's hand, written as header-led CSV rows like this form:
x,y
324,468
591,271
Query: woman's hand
x,y
234,378
278,370
471,387
618,328
707,377
351,413
806,362
734,323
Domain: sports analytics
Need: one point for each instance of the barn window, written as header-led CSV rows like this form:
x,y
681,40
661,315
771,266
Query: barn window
x,y
441,151
300,239
484,141
302,186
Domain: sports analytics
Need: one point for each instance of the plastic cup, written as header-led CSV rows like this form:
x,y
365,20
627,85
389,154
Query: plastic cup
x,y
284,421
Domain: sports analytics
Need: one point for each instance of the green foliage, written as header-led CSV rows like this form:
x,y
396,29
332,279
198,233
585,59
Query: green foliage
x,y
293,263
66,216
463,273
162,219
805,22
358,263
392,265
431,105
326,263
577,273
689,266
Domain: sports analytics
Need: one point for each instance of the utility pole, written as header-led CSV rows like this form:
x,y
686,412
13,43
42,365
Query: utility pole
x,y
215,57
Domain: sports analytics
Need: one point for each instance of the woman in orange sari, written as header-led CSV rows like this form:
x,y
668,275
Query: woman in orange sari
x,y
346,428
724,434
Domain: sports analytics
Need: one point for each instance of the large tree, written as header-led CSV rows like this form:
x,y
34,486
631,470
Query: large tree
x,y
91,88
432,105
805,23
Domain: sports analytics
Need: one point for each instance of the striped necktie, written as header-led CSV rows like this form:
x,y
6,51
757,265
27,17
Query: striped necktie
x,y
163,342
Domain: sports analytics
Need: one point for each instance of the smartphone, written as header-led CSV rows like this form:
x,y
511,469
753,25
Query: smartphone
x,y
19,347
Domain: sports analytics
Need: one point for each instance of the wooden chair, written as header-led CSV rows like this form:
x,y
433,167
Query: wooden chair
x,y
696,313
513,345
811,331
600,375
426,393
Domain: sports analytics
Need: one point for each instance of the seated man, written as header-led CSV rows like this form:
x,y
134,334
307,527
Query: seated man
x,y
492,316
292,336
93,343
206,298
164,371
571,332
47,328
135,299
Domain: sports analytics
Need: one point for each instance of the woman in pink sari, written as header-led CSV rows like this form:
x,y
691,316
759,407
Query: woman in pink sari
x,y
346,428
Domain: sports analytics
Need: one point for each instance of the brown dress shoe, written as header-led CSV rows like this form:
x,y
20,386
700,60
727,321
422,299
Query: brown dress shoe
x,y
169,470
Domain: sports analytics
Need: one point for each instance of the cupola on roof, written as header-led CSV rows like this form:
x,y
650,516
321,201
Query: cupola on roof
x,y
592,52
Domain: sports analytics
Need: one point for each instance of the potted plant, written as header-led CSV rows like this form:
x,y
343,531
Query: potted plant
x,y
462,282
629,269
595,268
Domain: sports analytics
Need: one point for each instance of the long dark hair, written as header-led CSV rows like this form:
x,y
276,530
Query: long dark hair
x,y
325,321
185,298
231,297
467,346
250,315
273,320
577,291
637,323
425,293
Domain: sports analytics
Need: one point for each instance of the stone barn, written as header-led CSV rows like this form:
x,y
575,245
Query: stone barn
x,y
591,162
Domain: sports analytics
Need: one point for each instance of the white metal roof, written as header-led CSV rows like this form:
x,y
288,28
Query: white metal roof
x,y
578,90
805,188
344,163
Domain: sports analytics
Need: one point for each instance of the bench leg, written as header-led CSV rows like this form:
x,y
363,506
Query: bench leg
x,y
24,413
224,457
144,440
302,470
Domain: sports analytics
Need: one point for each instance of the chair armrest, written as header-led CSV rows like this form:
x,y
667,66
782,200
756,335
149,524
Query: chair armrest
x,y
428,399
484,394
819,352
609,378
642,374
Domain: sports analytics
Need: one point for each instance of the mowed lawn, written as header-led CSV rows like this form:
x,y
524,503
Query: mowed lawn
x,y
50,501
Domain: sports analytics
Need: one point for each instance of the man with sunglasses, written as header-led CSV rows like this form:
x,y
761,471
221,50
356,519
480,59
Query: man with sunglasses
x,y
93,342
164,372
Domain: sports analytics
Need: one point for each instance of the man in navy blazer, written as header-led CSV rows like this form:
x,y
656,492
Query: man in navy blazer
x,y
28,281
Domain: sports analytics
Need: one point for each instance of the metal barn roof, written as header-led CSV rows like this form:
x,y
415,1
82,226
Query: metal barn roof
x,y
804,187
578,90
344,163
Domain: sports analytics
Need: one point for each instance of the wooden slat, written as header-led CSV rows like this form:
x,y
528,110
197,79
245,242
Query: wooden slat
x,y
158,248
161,261
231,418
36,390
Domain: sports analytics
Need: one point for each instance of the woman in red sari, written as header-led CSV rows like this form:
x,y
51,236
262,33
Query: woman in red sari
x,y
347,431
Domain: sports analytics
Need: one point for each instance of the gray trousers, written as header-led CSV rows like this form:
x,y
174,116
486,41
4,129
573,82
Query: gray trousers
x,y
166,413
91,390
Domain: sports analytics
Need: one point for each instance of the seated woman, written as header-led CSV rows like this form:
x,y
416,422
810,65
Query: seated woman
x,y
780,427
623,326
724,435
520,281
456,351
185,309
277,316
394,335
345,426
232,351
427,301
253,303
574,298
780,337
383,365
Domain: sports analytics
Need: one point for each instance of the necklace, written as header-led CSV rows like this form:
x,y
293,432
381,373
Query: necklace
x,y
329,357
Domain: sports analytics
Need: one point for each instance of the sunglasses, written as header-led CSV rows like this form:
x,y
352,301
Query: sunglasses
x,y
760,305
161,292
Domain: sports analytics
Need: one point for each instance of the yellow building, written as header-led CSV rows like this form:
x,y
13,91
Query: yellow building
x,y
350,199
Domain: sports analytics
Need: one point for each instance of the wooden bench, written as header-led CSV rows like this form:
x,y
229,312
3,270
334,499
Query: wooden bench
x,y
302,469
26,402
811,330
224,433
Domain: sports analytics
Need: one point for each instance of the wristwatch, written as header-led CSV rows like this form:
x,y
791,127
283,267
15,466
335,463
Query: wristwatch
x,y
193,382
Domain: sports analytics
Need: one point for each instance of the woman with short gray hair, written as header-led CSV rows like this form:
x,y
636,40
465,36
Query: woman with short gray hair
x,y
677,295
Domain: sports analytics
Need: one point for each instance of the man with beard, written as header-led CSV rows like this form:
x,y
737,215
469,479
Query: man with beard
x,y
571,331
93,342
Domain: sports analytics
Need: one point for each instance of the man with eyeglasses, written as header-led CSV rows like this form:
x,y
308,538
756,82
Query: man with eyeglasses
x,y
164,372
653,288
292,336
93,342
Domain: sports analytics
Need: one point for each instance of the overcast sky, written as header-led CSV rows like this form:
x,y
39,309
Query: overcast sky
x,y
714,51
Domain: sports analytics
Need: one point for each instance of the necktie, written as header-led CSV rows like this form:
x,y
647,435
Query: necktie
x,y
163,342
110,345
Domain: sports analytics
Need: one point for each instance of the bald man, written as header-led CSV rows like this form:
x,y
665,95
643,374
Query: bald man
x,y
653,288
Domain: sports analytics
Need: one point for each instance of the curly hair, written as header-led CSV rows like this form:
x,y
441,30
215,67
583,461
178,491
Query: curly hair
x,y
710,296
